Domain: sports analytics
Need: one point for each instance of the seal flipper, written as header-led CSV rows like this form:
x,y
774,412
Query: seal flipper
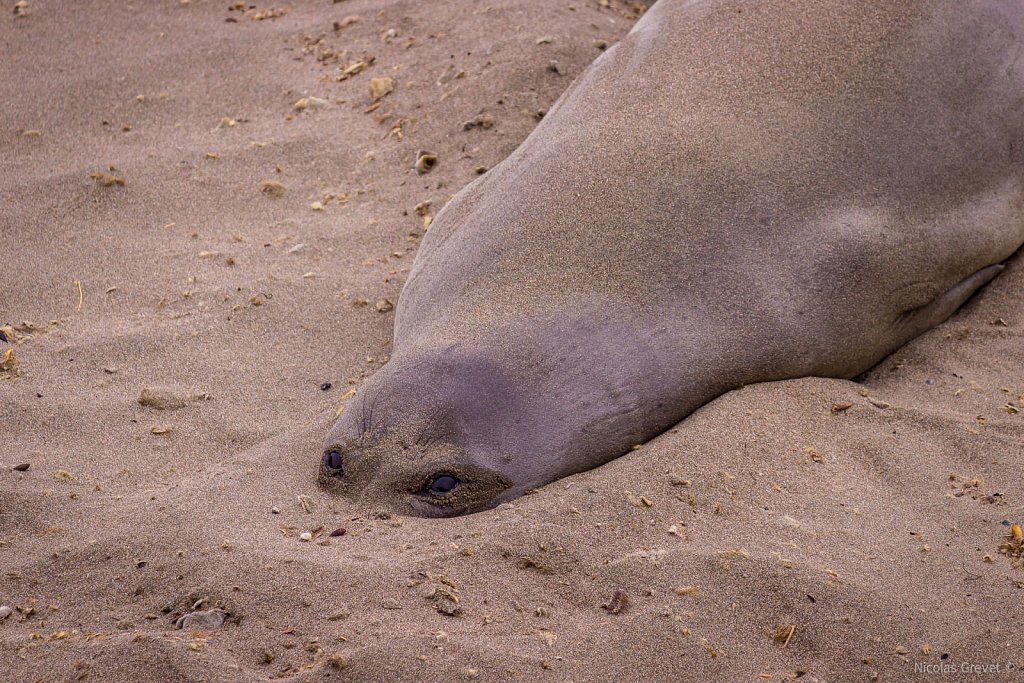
x,y
918,320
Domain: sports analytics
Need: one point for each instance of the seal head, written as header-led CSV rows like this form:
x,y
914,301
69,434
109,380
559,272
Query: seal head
x,y
432,437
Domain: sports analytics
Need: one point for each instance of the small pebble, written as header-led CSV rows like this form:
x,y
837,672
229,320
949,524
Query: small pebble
x,y
203,621
306,536
5,612
275,511
929,382
338,532
325,386
23,467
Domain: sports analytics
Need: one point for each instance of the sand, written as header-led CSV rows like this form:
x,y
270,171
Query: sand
x,y
196,212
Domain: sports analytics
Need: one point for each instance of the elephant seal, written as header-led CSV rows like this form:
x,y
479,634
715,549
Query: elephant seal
x,y
738,192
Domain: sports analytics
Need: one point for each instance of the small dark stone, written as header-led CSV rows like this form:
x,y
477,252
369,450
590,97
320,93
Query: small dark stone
x,y
22,467
3,336
338,532
618,603
325,386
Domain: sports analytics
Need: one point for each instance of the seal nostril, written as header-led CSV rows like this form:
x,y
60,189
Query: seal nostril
x,y
333,462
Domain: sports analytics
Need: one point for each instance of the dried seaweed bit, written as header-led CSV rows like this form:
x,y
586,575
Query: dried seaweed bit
x,y
104,179
638,501
360,302
161,429
272,188
548,636
484,121
783,633
618,603
345,22
305,103
385,305
9,367
445,601
814,454
272,13
379,87
841,407
539,566
425,162
353,68
423,208
687,591
341,402
1013,546
883,405
21,8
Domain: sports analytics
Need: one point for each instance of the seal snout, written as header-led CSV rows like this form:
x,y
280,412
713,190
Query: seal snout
x,y
334,463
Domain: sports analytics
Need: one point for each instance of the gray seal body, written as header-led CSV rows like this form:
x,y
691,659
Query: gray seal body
x,y
738,192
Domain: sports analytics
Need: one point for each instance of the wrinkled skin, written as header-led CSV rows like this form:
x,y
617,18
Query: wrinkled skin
x,y
738,192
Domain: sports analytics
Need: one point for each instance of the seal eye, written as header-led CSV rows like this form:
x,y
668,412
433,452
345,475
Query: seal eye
x,y
333,462
442,484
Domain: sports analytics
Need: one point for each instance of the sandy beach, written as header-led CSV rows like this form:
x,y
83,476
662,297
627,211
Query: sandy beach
x,y
207,213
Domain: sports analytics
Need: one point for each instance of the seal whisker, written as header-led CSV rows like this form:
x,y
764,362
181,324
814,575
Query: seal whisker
x,y
429,425
362,416
438,437
373,404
